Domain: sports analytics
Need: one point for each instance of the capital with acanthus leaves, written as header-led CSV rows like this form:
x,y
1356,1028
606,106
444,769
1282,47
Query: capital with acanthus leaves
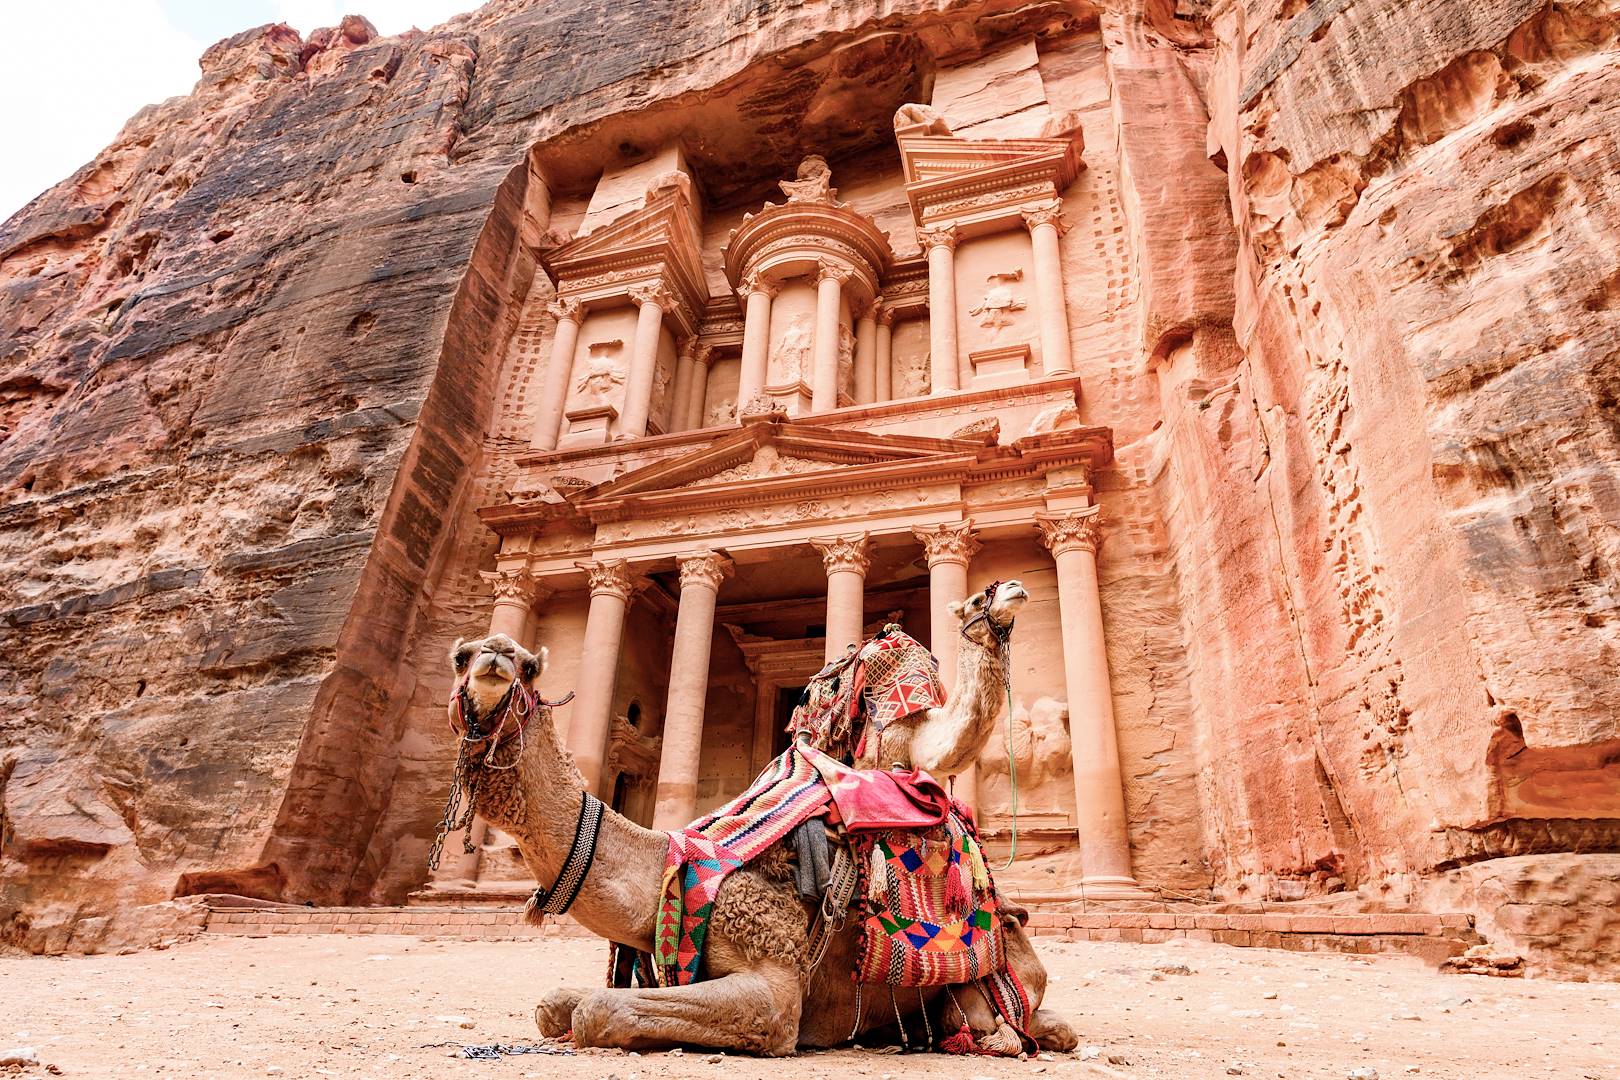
x,y
1076,530
948,542
516,587
1044,214
844,553
656,293
706,569
564,308
826,270
756,282
611,577
933,236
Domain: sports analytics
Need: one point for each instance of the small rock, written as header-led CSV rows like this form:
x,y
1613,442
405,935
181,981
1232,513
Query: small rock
x,y
19,1056
1270,995
677,1052
274,1070
1118,1059
467,1024
1090,1053
1405,1016
1173,969
1362,1072
714,1059
1235,1069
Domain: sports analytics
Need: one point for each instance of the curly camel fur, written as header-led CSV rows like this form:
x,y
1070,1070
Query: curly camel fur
x,y
757,995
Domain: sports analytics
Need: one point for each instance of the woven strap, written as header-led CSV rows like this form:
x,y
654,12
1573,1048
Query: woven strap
x,y
560,897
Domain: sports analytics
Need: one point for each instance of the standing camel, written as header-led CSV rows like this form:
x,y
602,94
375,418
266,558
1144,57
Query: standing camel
x,y
758,994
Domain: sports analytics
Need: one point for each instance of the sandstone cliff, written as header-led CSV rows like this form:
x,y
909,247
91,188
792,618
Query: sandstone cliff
x,y
1360,359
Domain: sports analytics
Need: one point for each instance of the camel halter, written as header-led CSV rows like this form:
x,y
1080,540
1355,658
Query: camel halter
x,y
518,702
1002,633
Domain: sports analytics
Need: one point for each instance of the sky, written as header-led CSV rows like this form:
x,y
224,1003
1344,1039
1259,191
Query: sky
x,y
75,70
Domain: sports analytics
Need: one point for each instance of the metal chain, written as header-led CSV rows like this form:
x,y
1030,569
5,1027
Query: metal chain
x,y
457,815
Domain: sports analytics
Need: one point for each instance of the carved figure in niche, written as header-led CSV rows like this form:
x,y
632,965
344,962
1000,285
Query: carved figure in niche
x,y
918,119
602,376
995,310
724,412
846,356
814,183
793,354
660,389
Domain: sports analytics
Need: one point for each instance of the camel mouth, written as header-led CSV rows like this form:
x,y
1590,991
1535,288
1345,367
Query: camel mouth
x,y
493,666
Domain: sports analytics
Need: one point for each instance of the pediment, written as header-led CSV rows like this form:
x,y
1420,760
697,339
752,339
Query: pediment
x,y
773,449
948,177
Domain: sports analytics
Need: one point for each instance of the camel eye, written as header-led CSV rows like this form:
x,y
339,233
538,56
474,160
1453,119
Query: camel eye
x,y
461,656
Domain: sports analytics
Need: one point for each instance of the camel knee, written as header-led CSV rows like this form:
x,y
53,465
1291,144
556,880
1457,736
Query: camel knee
x,y
1051,1032
554,1015
595,1020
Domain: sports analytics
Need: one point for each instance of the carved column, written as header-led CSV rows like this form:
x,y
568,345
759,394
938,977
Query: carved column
x,y
516,591
675,411
682,752
885,354
949,548
1045,226
829,308
1105,849
940,243
758,293
554,388
699,391
846,560
611,585
866,355
654,301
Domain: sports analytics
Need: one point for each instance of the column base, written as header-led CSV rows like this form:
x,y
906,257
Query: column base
x,y
1110,887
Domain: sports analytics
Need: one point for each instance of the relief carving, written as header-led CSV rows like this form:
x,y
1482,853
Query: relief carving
x,y
996,309
602,376
793,354
917,119
814,183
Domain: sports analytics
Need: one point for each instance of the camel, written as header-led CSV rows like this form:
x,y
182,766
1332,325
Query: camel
x,y
759,994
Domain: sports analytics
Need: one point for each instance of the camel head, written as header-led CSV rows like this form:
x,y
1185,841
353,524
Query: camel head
x,y
495,679
987,617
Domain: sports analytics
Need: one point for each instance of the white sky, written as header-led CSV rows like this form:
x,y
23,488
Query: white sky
x,y
77,69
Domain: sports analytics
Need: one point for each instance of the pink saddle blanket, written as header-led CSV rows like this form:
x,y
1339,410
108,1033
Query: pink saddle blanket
x,y
870,799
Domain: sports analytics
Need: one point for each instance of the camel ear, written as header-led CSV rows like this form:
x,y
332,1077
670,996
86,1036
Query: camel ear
x,y
533,666
956,607
461,654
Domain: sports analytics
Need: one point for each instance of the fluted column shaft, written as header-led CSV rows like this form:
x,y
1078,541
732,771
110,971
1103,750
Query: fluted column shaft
x,y
682,751
845,559
554,387
884,361
1105,849
866,356
829,308
944,374
949,548
1045,227
756,346
643,360
611,585
676,410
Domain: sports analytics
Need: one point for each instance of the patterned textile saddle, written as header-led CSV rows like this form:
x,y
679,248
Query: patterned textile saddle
x,y
886,678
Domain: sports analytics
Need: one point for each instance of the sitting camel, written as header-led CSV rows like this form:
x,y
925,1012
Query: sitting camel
x,y
759,993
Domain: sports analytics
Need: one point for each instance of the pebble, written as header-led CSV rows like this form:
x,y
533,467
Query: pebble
x,y
1118,1059
1090,1053
19,1055
1362,1072
714,1059
1270,995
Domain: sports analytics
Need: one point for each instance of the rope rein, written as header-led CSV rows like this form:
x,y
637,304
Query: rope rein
x,y
1003,637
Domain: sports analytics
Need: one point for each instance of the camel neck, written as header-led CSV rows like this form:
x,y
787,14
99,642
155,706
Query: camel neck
x,y
537,803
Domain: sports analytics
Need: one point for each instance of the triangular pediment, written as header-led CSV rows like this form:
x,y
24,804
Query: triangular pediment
x,y
773,449
658,242
945,173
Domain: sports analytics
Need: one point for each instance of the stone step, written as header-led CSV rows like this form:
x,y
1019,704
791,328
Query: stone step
x,y
1433,937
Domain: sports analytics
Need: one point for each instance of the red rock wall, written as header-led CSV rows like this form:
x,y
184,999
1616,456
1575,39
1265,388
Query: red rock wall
x,y
1342,281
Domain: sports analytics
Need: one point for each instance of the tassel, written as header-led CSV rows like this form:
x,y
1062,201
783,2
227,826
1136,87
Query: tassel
x,y
960,1043
956,893
877,884
981,872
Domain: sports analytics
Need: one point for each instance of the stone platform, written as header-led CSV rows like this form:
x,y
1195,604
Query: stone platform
x,y
1432,937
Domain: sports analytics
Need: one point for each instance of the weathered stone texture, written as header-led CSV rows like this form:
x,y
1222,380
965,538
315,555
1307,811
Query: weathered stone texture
x,y
1340,276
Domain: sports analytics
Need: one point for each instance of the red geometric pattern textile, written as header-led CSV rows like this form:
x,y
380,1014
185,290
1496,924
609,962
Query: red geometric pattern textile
x,y
888,677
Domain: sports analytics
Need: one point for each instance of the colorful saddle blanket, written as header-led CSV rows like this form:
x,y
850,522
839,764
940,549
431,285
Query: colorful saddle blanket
x,y
888,677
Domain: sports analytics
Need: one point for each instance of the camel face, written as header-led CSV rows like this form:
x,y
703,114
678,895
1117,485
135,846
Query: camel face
x,y
489,666
998,610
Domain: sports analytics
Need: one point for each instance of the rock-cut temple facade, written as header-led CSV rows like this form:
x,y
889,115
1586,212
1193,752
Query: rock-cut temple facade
x,y
1268,343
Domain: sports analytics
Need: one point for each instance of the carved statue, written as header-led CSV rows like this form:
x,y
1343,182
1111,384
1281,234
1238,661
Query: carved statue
x,y
602,376
793,354
999,301
915,119
814,183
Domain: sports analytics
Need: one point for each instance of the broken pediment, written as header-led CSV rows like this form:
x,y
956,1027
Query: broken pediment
x,y
976,183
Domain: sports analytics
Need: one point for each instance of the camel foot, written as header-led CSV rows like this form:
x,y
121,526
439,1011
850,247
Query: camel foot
x,y
554,1016
1051,1032
1003,1041
736,1012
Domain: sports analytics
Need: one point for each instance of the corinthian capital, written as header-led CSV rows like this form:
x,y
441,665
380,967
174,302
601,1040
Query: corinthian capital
x,y
844,553
513,586
1075,530
952,542
933,236
828,270
611,577
1043,214
705,568
564,307
656,293
756,282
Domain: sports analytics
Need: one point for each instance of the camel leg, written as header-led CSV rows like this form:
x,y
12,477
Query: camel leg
x,y
967,1005
554,1016
756,1012
1051,1032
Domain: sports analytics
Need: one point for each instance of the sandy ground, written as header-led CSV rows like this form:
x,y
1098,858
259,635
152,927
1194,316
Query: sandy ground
x,y
386,1007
